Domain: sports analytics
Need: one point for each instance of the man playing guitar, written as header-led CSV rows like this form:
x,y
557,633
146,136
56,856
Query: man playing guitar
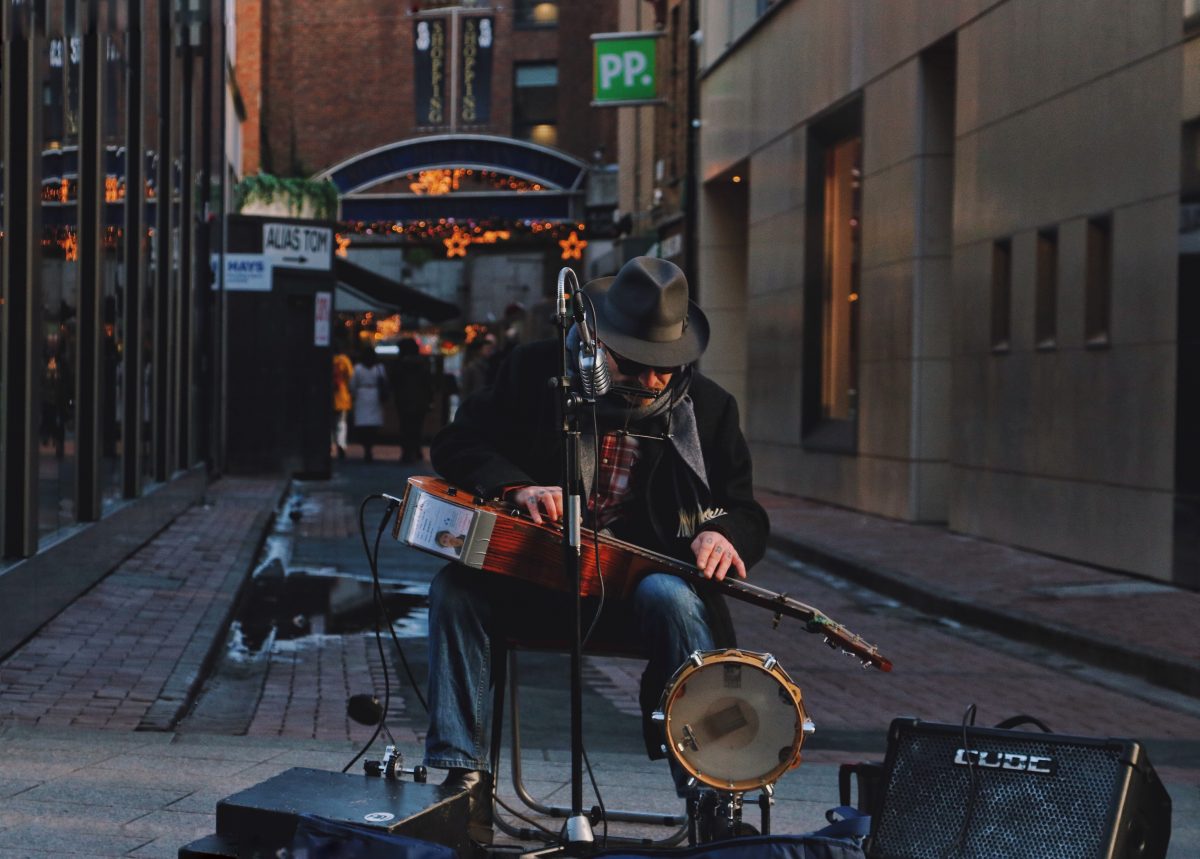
x,y
667,468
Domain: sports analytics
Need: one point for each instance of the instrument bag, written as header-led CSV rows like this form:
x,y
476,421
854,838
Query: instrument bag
x,y
839,840
321,838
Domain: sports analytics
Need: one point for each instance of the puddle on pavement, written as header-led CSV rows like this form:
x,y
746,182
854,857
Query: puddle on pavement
x,y
283,606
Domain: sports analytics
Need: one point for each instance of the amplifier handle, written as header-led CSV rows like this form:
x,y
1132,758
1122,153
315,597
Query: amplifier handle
x,y
1023,719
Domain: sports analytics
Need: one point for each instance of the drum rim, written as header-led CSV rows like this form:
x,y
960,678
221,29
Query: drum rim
x,y
753,659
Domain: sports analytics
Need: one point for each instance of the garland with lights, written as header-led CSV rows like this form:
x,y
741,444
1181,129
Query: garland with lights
x,y
457,235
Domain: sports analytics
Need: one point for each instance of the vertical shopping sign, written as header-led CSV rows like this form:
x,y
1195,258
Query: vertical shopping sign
x,y
430,53
624,69
476,36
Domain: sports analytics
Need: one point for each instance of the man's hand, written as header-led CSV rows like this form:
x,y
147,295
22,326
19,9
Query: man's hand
x,y
715,555
538,500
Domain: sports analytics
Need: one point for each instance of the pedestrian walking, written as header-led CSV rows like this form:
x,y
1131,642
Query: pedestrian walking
x,y
343,372
414,396
477,371
370,391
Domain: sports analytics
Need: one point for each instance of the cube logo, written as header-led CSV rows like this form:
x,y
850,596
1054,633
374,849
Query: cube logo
x,y
624,68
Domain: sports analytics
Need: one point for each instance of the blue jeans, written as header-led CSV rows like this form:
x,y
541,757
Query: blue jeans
x,y
473,614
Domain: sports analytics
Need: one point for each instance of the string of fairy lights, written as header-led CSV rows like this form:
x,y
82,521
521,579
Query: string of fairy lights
x,y
455,236
63,241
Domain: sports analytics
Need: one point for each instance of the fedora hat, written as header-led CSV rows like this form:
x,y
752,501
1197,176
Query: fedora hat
x,y
644,314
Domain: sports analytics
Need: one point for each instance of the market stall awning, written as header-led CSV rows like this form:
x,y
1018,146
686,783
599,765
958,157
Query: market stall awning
x,y
391,294
349,300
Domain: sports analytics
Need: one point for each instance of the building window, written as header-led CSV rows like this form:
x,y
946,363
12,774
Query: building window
x,y
1001,295
1097,298
535,13
833,241
843,181
1046,298
535,102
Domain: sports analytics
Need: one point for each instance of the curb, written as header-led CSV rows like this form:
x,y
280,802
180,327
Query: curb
x,y
180,689
1158,668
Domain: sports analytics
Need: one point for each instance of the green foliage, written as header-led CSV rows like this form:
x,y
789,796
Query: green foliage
x,y
418,256
292,191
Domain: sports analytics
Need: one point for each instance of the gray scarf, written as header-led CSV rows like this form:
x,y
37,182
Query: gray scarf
x,y
670,417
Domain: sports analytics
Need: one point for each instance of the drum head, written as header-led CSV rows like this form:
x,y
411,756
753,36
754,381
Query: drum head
x,y
735,721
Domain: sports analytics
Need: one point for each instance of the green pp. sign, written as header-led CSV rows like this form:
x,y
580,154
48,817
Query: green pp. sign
x,y
623,68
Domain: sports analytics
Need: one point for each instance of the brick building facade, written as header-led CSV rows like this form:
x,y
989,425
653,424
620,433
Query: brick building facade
x,y
322,82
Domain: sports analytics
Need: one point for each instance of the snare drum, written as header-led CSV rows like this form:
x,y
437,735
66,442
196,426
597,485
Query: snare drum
x,y
734,719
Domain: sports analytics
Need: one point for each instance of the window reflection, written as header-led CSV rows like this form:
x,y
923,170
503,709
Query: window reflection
x,y
60,253
843,181
112,375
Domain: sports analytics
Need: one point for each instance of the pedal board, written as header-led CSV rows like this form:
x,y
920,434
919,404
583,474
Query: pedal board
x,y
263,819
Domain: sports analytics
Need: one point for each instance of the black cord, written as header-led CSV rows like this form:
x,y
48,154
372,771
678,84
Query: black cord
x,y
593,499
381,618
382,607
387,689
599,801
973,790
553,836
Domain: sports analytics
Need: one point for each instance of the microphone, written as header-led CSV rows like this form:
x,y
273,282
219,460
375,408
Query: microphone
x,y
364,709
594,377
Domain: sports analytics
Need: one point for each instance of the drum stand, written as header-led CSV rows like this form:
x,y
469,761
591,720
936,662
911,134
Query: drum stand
x,y
716,815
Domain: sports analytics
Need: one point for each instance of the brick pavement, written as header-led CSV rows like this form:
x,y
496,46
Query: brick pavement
x,y
1141,627
130,652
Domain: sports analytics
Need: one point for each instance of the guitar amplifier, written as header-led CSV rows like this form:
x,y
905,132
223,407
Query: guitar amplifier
x,y
1005,793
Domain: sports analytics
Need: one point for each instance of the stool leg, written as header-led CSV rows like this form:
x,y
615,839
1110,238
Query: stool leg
x,y
499,678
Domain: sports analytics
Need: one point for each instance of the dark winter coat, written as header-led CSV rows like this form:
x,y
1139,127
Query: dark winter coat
x,y
510,434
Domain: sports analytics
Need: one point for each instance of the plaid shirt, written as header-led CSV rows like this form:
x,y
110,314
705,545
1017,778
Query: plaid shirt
x,y
618,456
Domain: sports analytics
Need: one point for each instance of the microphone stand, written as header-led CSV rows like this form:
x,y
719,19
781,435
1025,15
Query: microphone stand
x,y
578,828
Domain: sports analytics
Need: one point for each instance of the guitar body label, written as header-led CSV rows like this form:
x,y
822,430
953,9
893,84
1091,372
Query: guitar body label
x,y
442,528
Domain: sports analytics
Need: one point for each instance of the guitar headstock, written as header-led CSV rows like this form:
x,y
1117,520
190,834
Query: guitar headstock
x,y
840,638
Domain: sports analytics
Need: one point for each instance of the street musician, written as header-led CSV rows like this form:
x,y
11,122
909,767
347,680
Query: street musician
x,y
666,468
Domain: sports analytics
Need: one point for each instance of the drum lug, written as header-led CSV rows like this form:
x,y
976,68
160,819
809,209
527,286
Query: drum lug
x,y
658,716
808,727
769,661
696,659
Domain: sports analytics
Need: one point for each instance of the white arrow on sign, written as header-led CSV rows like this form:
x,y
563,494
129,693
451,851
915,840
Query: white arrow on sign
x,y
298,246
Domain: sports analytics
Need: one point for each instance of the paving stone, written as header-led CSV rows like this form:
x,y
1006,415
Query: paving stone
x,y
48,839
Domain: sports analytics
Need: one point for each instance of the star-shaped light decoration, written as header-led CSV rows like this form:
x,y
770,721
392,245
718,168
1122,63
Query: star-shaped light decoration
x,y
70,245
456,244
572,246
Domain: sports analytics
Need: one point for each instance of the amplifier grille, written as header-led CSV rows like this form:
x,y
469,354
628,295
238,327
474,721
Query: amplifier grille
x,y
1064,815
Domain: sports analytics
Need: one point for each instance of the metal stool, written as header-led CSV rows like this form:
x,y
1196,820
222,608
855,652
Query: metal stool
x,y
506,674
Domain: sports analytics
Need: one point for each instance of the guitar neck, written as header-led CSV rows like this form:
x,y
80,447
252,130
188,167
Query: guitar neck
x,y
781,604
